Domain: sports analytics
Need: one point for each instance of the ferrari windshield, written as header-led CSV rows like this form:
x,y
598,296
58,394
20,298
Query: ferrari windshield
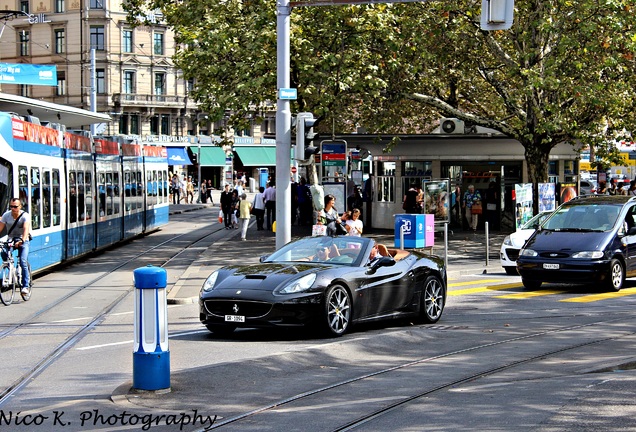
x,y
323,249
588,217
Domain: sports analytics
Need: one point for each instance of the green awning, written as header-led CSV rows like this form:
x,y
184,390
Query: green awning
x,y
257,156
212,156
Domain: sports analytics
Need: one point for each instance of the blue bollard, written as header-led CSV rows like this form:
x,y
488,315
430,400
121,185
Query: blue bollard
x,y
151,358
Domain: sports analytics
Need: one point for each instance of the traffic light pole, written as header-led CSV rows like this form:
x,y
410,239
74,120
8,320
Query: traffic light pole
x,y
283,126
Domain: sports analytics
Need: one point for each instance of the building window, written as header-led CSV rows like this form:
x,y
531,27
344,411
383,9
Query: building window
x,y
59,6
189,85
60,41
100,75
129,82
97,37
25,36
165,124
134,124
25,90
24,6
97,4
154,125
127,41
158,43
160,85
60,90
123,124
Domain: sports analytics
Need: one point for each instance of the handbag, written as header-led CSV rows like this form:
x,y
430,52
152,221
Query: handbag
x,y
318,230
340,229
476,208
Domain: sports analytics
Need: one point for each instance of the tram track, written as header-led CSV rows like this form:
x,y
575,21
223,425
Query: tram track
x,y
323,392
50,357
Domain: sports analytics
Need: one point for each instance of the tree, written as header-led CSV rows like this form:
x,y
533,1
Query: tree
x,y
563,73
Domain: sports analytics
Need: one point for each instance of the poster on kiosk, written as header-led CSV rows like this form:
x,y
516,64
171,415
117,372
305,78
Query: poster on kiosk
x,y
418,230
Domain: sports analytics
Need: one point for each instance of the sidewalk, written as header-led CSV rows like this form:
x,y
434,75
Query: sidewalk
x,y
466,252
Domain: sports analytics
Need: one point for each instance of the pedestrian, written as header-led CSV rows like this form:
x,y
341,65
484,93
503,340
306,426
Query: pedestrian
x,y
612,189
175,187
189,190
245,208
471,202
226,206
203,192
602,188
208,192
632,188
235,208
329,216
182,188
259,209
353,223
410,201
305,207
18,225
269,197
239,188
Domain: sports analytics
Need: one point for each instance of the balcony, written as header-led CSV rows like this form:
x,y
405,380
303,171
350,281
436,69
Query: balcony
x,y
127,100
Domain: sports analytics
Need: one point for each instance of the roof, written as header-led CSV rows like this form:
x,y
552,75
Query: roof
x,y
69,116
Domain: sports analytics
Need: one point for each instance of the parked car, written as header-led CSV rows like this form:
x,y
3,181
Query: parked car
x,y
513,243
586,240
329,282
587,187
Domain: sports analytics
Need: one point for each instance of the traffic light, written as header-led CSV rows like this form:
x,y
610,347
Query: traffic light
x,y
305,135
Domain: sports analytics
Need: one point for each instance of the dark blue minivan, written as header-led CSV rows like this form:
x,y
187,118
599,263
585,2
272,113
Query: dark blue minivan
x,y
589,239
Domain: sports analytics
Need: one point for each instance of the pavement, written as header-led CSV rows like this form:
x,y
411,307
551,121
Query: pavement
x,y
466,253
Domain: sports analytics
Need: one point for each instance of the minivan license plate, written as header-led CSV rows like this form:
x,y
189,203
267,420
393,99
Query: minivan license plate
x,y
234,318
547,266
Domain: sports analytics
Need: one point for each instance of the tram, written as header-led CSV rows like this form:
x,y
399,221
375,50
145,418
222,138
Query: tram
x,y
83,193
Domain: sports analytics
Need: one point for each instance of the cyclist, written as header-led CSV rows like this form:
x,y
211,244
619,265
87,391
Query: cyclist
x,y
18,225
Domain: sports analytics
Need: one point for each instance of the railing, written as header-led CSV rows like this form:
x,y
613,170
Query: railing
x,y
149,99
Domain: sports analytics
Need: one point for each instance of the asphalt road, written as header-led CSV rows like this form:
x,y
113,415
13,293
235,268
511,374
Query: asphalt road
x,y
501,358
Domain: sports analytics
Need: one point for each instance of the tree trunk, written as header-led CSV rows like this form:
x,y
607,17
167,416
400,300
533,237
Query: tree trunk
x,y
537,157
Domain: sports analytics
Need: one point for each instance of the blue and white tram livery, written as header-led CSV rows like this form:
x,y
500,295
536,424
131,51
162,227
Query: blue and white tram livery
x,y
82,194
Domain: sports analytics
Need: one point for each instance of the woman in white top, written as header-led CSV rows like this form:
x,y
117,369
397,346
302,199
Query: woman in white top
x,y
354,224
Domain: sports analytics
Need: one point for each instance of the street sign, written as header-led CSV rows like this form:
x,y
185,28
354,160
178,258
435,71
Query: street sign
x,y
287,93
294,170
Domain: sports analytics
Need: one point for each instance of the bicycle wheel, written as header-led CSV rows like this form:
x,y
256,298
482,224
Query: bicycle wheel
x,y
6,289
26,294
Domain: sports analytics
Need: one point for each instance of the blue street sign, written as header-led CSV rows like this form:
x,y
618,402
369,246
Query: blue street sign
x,y
287,93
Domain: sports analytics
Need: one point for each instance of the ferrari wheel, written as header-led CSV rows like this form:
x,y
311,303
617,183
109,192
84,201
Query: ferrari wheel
x,y
433,299
221,330
337,310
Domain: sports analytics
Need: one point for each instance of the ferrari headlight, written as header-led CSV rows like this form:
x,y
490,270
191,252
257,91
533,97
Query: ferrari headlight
x,y
299,285
528,253
507,241
208,285
588,254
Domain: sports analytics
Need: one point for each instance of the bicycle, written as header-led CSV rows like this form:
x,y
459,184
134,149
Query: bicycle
x,y
11,274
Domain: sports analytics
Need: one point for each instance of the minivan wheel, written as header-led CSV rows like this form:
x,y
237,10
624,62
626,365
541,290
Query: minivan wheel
x,y
531,284
616,276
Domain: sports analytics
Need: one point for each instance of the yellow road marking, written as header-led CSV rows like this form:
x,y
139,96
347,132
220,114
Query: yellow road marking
x,y
475,282
484,289
531,294
601,296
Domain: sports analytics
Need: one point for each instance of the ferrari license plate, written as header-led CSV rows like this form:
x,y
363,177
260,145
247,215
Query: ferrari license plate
x,y
547,266
234,318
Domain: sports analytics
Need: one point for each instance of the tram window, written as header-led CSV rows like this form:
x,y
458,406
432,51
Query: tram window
x,y
138,188
149,189
46,199
88,195
160,186
101,197
6,184
72,197
116,190
165,186
36,193
56,197
23,186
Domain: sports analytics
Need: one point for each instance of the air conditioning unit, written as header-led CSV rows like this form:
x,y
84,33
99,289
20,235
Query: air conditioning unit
x,y
451,126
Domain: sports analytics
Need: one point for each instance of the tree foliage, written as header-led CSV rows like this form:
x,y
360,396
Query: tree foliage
x,y
563,73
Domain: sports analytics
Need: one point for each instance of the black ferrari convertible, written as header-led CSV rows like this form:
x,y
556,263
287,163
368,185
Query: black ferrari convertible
x,y
331,282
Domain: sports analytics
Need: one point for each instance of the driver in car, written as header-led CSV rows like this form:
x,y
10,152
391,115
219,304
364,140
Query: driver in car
x,y
322,254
